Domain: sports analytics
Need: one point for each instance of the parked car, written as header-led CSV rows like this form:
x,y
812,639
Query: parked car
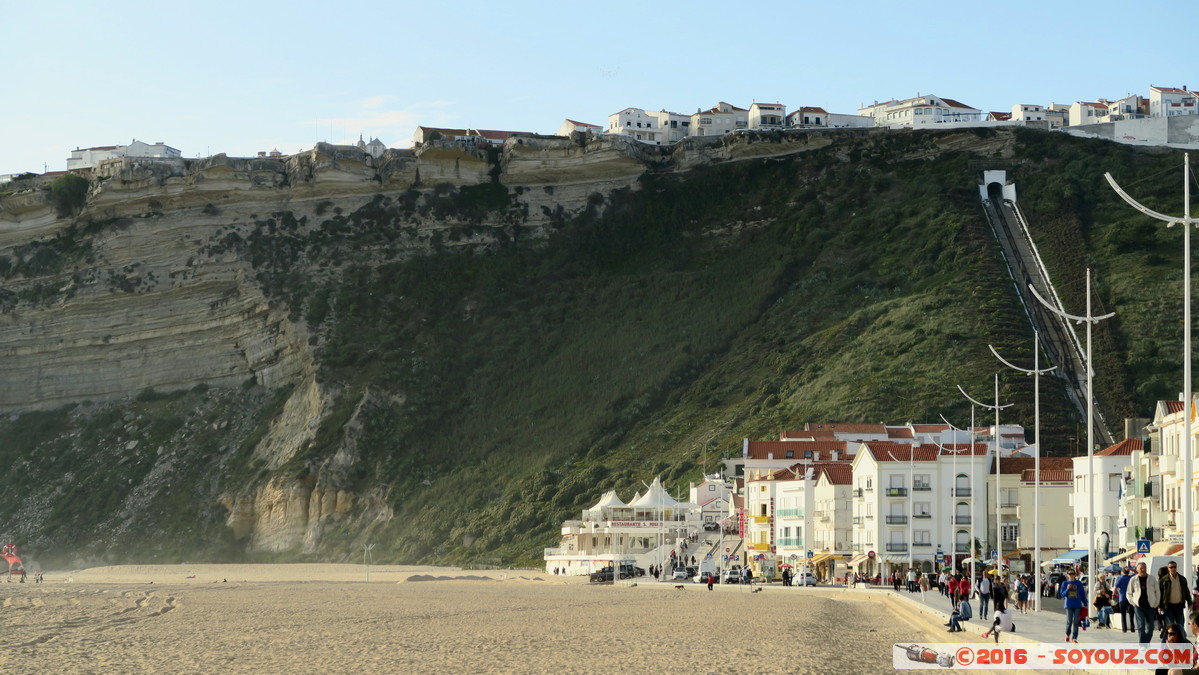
x,y
712,526
731,575
683,573
604,574
805,579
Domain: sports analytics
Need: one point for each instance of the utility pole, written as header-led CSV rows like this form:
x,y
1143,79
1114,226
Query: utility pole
x,y
1188,515
1090,320
1036,372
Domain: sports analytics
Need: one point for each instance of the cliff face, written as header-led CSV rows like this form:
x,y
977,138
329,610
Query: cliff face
x,y
214,277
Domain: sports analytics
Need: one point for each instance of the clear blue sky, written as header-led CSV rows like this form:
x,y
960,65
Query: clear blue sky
x,y
238,77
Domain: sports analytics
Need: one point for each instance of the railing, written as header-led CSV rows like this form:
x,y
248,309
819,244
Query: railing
x,y
1150,490
961,520
857,520
789,513
1008,505
897,548
793,541
922,544
824,517
921,487
961,492
869,488
897,492
859,492
897,520
922,515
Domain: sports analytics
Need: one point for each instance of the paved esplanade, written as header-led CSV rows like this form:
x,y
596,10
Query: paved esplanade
x,y
1048,625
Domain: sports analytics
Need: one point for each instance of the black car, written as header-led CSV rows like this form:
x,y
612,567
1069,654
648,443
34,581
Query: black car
x,y
604,574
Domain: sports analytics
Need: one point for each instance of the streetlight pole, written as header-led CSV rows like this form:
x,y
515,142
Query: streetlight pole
x,y
995,436
1036,372
1187,403
1090,320
970,545
366,549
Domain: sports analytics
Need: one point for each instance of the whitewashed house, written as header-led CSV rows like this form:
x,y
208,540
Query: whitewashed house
x,y
713,496
920,111
1058,115
1028,112
723,118
675,127
808,117
1086,112
1170,102
911,502
832,528
767,115
569,127
636,124
1109,486
86,158
1130,107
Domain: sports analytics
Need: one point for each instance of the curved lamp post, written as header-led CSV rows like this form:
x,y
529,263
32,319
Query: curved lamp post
x,y
1036,372
1187,508
1090,320
998,519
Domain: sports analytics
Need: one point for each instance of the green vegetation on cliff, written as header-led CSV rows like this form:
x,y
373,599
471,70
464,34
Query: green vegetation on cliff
x,y
497,392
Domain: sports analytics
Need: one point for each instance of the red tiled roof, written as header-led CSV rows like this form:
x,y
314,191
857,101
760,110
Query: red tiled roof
x,y
103,147
929,428
497,135
53,173
821,450
583,124
1001,116
955,104
1170,90
838,473
1047,475
964,448
796,435
1173,406
1093,104
1124,447
813,109
1018,465
841,428
900,432
884,451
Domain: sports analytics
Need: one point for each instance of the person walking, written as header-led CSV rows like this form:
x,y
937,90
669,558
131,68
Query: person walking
x,y
911,580
1145,596
951,588
1123,608
999,594
1022,595
1175,596
711,580
984,596
943,583
1074,594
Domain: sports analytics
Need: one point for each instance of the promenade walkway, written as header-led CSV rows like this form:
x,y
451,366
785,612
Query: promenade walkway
x,y
1048,625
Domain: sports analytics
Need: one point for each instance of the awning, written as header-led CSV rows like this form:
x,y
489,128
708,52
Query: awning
x,y
857,559
1070,557
895,559
820,558
1127,554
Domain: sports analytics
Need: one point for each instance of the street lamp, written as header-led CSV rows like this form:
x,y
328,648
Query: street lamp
x,y
366,549
1186,221
1036,490
973,463
995,436
1090,320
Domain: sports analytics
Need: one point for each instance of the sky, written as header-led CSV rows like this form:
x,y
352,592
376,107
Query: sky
x,y
242,77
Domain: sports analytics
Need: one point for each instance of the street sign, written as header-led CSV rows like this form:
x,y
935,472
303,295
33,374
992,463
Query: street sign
x,y
1142,546
994,554
940,556
811,555
1176,538
726,550
794,557
726,557
708,557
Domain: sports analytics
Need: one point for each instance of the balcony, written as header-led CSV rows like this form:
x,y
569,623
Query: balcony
x,y
897,520
1150,490
761,520
897,492
897,548
922,544
869,488
961,492
857,520
921,487
789,513
923,515
824,517
961,520
859,492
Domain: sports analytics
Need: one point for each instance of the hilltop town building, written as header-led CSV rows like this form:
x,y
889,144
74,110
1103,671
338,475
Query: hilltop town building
x,y
1171,102
920,111
87,158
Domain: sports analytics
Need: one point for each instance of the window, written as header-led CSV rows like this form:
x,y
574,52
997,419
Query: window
x,y
922,537
790,454
920,509
711,488
1011,532
763,509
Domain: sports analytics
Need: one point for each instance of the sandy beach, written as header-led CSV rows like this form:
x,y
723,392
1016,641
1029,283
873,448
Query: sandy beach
x,y
297,618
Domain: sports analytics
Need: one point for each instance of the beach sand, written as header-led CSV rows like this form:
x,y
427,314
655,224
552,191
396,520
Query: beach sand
x,y
301,618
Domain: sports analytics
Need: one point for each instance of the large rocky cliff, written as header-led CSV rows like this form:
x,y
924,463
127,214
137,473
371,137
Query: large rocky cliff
x,y
183,278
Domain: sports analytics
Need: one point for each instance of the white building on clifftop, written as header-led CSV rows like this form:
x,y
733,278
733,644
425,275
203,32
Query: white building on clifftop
x,y
86,158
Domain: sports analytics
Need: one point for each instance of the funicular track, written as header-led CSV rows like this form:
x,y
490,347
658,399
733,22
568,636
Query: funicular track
x,y
1026,268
